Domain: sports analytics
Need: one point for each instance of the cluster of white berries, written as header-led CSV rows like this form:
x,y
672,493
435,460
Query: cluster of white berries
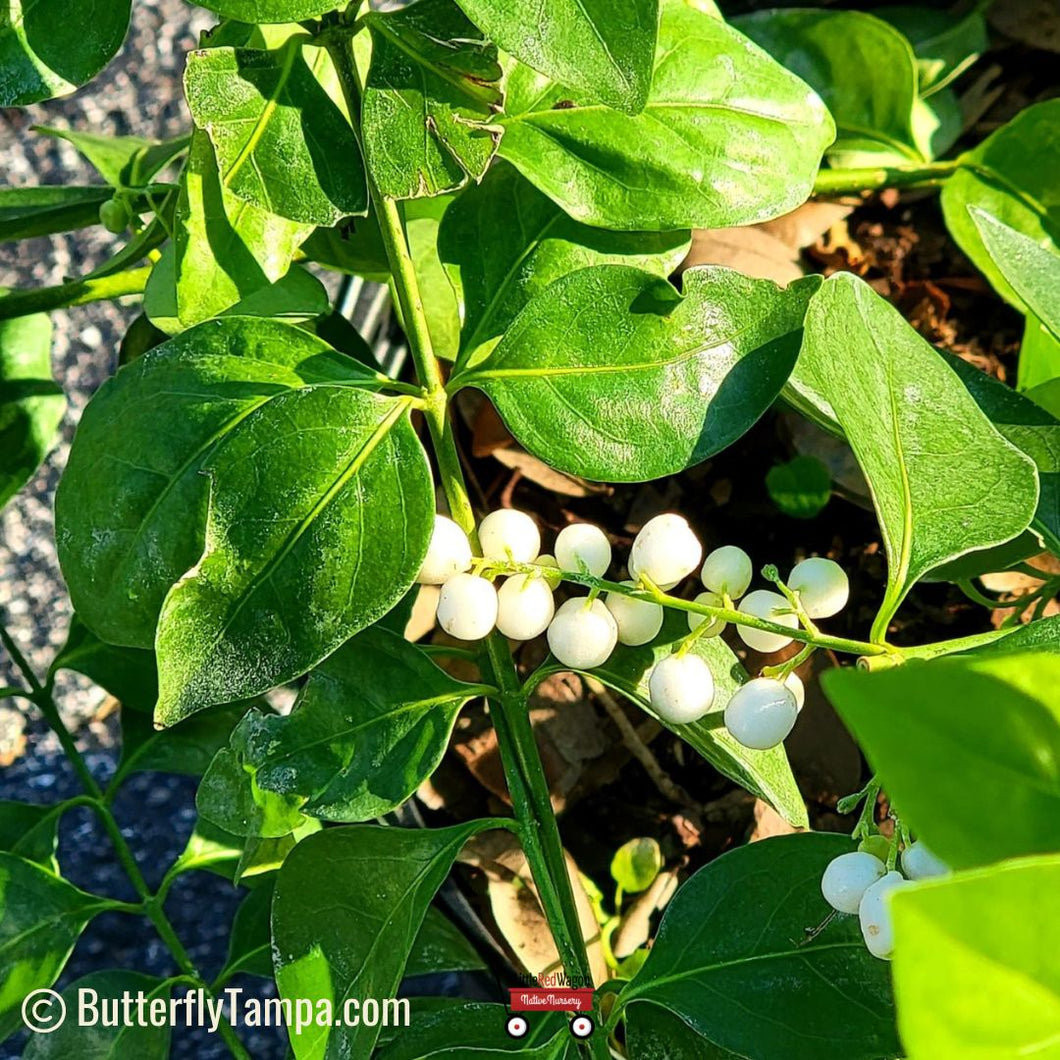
x,y
583,632
859,883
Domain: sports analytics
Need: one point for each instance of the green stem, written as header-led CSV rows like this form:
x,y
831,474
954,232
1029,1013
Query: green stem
x,y
74,292
855,181
150,904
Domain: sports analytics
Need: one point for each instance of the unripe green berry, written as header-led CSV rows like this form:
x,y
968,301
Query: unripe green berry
x,y
879,846
727,570
115,215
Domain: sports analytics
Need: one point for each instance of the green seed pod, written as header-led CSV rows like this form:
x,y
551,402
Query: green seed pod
x,y
115,215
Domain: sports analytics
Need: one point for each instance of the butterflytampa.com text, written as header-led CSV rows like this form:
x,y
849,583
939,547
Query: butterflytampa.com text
x,y
197,1008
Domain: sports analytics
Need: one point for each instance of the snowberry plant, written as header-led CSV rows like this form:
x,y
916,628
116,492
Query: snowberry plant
x,y
252,502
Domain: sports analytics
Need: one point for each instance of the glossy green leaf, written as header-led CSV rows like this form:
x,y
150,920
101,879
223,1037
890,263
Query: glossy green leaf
x,y
1003,744
938,123
348,905
730,962
603,50
41,211
250,941
474,1030
370,725
945,44
441,301
99,1040
655,1033
933,461
321,508
269,11
1029,268
975,969
764,773
1028,426
1039,362
611,374
863,69
128,674
507,242
30,830
125,537
226,249
122,161
440,946
41,917
1009,175
1043,635
728,137
31,402
429,98
354,247
276,132
49,48
801,487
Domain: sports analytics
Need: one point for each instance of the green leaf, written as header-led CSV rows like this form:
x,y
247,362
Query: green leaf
x,y
502,266
228,797
932,459
1030,268
276,132
287,577
30,830
636,864
128,674
945,45
863,69
440,946
612,375
31,402
355,247
728,137
100,1039
1039,362
1043,635
125,537
763,773
41,917
729,960
603,50
250,940
1009,175
187,748
49,48
122,161
226,249
441,302
974,974
801,487
655,1033
1004,744
1029,427
430,95
349,902
371,724
474,1030
42,211
269,11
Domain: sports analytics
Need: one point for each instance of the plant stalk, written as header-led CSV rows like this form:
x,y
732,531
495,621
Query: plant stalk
x,y
74,292
832,182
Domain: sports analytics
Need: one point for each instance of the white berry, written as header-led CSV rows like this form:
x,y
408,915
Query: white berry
x,y
727,570
525,607
681,689
822,585
716,624
582,635
467,607
666,551
763,603
761,713
583,546
794,684
448,553
507,534
848,877
638,621
919,863
874,913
